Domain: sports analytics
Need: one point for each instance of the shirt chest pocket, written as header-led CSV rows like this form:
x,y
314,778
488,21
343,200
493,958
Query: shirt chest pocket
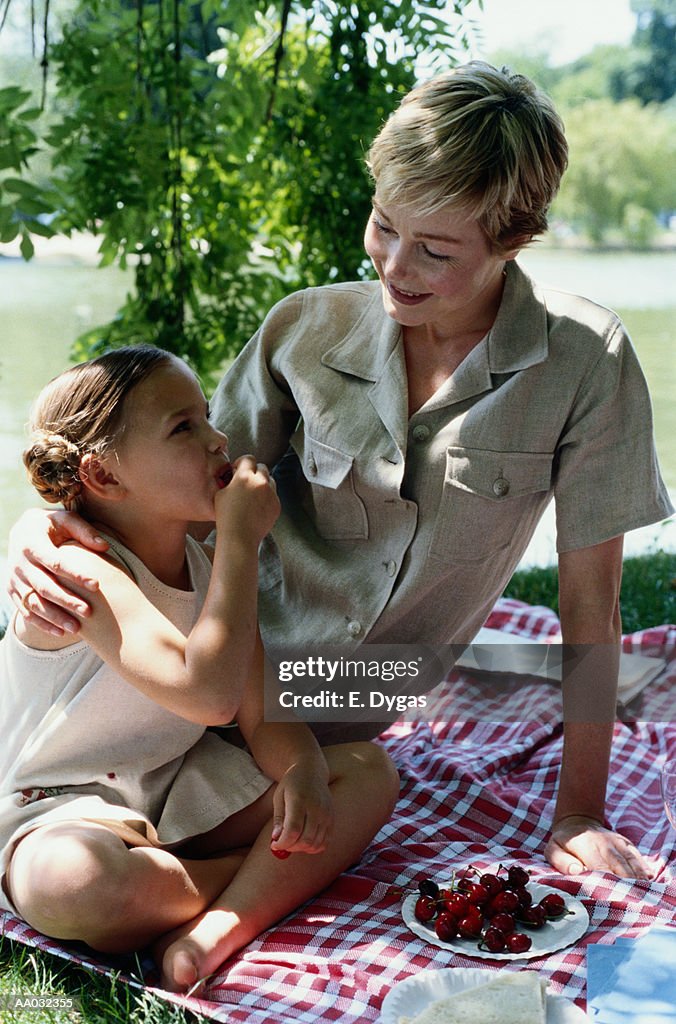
x,y
488,500
331,501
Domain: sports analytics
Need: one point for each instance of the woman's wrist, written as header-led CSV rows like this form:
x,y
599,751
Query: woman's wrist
x,y
577,818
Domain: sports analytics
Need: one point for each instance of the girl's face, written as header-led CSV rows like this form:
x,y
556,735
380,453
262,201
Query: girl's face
x,y
169,457
436,270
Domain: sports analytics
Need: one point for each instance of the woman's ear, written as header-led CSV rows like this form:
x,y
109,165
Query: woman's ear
x,y
99,478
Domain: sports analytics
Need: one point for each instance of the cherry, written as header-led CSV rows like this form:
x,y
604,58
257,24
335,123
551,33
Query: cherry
x,y
493,940
469,926
428,888
492,883
517,942
505,922
524,896
477,894
553,905
506,901
532,917
425,908
455,903
281,854
446,926
517,876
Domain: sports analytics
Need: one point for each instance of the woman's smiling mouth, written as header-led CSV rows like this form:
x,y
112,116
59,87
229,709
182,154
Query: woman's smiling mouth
x,y
406,298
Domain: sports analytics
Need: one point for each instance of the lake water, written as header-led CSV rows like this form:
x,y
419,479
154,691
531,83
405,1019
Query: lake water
x,y
45,304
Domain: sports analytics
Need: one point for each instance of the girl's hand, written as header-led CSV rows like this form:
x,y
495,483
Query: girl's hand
x,y
579,844
249,505
39,563
302,812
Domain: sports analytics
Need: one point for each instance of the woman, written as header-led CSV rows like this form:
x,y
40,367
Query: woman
x,y
419,425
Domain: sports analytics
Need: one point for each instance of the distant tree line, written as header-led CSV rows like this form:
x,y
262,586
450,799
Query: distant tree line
x,y
619,107
216,146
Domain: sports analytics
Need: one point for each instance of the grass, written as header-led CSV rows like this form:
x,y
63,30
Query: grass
x,y
96,999
648,599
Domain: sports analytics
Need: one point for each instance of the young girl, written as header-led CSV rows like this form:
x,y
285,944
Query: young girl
x,y
123,821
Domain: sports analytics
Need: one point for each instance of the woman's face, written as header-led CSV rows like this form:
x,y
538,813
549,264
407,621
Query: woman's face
x,y
437,270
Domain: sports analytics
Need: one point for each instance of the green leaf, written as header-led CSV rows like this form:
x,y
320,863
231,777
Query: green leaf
x,y
27,247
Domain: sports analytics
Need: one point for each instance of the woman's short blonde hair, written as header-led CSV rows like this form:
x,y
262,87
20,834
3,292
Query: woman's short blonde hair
x,y
477,139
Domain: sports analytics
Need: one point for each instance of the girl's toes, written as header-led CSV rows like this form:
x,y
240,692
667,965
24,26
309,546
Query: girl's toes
x,y
180,969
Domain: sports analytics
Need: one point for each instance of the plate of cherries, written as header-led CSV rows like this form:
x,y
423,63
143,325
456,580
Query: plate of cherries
x,y
495,915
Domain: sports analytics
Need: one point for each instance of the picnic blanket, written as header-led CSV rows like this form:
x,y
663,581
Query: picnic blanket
x,y
474,793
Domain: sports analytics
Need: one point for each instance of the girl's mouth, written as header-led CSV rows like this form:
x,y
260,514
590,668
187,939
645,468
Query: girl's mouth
x,y
406,298
224,476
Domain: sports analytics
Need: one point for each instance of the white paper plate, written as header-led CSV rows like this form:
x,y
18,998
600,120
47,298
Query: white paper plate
x,y
411,996
551,937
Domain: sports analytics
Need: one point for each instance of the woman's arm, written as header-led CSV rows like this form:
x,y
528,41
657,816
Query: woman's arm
x,y
42,562
589,590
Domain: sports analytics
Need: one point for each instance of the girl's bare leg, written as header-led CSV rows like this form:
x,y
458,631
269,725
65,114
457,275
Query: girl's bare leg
x,y
79,880
364,786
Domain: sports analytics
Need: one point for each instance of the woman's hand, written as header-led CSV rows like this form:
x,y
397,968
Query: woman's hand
x,y
578,843
302,812
40,563
249,505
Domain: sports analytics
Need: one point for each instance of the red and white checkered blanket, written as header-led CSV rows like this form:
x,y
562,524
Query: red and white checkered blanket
x,y
474,793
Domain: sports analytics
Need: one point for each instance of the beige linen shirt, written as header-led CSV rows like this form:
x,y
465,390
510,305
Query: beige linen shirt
x,y
398,529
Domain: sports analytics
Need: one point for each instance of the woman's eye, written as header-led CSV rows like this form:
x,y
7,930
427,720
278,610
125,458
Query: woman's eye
x,y
436,255
382,227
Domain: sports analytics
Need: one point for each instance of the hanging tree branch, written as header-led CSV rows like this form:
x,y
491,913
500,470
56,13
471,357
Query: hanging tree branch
x,y
44,63
279,56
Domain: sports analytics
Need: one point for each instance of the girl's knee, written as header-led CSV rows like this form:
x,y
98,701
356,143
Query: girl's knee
x,y
368,765
67,880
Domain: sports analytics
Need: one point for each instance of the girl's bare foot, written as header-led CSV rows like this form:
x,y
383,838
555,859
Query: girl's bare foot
x,y
188,955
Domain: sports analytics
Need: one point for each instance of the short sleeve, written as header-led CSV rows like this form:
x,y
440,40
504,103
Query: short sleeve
x,y
607,478
253,404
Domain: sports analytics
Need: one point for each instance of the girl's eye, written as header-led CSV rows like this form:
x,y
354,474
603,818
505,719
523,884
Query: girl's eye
x,y
181,427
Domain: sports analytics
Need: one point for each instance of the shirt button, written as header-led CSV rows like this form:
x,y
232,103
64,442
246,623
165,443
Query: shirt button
x,y
354,628
391,568
312,466
500,487
421,432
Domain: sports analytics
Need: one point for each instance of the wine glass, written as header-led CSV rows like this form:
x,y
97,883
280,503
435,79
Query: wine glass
x,y
668,779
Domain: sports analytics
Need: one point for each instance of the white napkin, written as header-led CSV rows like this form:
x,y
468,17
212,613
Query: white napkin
x,y
495,651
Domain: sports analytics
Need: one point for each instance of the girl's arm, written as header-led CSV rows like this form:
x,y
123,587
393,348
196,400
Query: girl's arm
x,y
202,676
288,753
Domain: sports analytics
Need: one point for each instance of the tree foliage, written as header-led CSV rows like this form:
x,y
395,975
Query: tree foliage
x,y
620,175
217,146
650,73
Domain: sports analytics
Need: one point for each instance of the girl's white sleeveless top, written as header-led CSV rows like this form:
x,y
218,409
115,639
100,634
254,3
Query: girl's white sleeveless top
x,y
80,742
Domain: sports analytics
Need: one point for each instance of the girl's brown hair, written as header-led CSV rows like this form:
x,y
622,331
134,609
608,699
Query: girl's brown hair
x,y
80,412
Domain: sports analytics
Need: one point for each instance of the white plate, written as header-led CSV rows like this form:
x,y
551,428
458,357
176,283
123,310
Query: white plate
x,y
551,937
411,996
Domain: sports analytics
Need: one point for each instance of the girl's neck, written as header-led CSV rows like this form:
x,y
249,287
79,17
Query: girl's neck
x,y
161,547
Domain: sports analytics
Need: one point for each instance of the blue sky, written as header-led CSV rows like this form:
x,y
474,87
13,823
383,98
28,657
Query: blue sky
x,y
564,29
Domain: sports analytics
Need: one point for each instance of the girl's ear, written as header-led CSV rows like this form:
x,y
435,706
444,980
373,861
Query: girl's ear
x,y
98,477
